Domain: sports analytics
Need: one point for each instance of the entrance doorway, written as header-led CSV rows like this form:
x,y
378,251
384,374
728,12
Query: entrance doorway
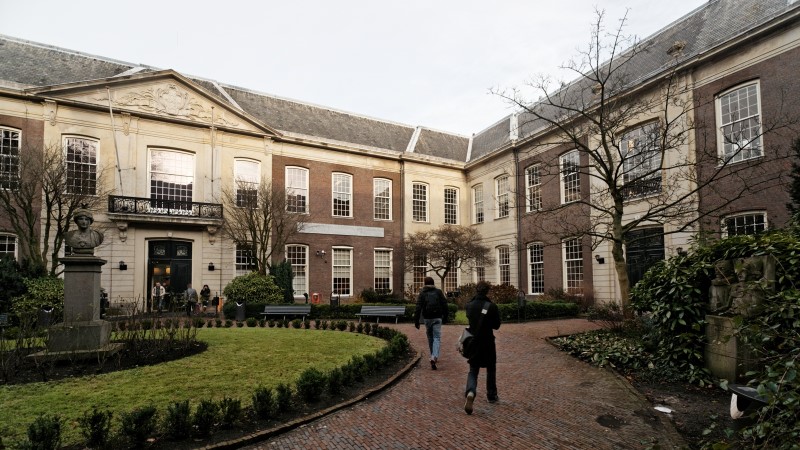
x,y
643,248
169,263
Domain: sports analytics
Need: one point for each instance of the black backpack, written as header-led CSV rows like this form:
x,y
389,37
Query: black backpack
x,y
432,306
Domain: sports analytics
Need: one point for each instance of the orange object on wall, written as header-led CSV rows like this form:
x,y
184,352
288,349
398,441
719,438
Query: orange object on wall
x,y
315,298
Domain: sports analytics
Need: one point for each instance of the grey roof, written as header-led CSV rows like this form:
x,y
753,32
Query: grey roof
x,y
443,145
492,138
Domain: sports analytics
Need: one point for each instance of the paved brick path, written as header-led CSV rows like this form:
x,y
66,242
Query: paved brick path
x,y
548,400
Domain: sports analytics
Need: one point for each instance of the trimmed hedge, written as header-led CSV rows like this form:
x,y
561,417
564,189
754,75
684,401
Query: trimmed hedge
x,y
510,312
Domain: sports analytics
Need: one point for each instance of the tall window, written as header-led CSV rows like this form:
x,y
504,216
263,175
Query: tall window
x,y
533,193
172,176
245,259
342,270
247,175
501,192
383,270
382,198
750,223
297,256
8,245
451,206
536,268
570,177
419,206
641,161
739,120
451,281
342,195
81,160
480,273
504,263
477,203
420,270
297,189
573,265
9,158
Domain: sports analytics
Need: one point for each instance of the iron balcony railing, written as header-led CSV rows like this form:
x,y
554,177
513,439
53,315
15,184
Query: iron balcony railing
x,y
641,188
159,207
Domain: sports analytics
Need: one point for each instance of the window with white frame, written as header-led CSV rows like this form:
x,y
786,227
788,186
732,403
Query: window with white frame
x,y
382,198
502,195
420,270
297,189
9,158
570,176
536,268
342,271
419,205
172,178
533,193
641,161
573,265
297,256
451,281
81,161
504,264
477,203
342,194
383,270
245,260
247,175
451,206
739,121
8,245
480,273
748,223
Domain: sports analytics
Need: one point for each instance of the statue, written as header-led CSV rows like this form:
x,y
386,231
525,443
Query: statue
x,y
721,285
740,286
84,239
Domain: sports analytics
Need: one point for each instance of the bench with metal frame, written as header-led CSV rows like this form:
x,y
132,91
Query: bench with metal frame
x,y
286,310
382,311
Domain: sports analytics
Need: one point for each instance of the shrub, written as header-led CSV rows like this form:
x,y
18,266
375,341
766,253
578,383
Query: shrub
x,y
359,368
95,427
40,292
264,403
341,325
283,397
306,324
310,385
367,328
230,411
297,323
317,324
271,323
360,327
251,322
218,323
280,323
286,323
177,421
351,326
335,381
239,324
138,424
254,289
324,325
609,315
228,323
262,323
503,294
370,363
12,278
282,275
45,433
206,417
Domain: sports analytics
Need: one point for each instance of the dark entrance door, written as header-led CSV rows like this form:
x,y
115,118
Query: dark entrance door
x,y
643,248
169,263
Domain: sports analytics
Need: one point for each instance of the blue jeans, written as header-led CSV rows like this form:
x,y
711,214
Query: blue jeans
x,y
433,328
491,380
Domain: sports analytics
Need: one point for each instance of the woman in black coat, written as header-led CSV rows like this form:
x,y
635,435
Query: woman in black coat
x,y
484,318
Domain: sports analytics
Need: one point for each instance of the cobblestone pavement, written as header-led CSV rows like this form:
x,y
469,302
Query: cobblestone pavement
x,y
548,400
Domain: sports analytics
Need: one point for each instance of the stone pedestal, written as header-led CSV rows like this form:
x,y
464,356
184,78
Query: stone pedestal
x,y
82,331
725,356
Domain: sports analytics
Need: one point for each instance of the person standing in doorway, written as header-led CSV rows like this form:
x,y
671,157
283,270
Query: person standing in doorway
x,y
484,318
191,299
157,295
432,306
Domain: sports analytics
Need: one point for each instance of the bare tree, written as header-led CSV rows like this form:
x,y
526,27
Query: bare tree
x,y
256,216
445,249
44,196
637,143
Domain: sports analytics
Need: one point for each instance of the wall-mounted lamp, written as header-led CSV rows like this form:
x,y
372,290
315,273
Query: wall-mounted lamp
x,y
211,267
321,253
599,259
123,266
681,251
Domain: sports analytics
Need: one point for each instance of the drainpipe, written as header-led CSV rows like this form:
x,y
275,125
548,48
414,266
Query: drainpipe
x,y
114,134
520,246
402,222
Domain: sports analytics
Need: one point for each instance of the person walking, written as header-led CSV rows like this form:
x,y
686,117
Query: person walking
x,y
484,318
205,294
157,295
432,306
191,299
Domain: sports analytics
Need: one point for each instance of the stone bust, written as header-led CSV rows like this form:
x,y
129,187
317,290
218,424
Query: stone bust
x,y
84,239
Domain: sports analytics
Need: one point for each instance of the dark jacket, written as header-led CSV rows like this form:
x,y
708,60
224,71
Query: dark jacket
x,y
422,300
485,351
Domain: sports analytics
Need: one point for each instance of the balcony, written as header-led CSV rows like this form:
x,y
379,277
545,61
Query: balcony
x,y
641,188
138,209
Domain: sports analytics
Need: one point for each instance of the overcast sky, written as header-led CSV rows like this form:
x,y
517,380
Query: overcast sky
x,y
417,62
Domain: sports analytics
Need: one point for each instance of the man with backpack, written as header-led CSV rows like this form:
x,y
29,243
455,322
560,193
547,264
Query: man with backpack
x,y
432,306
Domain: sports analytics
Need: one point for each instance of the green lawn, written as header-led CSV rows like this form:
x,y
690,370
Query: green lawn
x,y
236,362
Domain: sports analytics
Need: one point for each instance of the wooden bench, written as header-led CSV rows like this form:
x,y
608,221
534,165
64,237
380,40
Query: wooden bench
x,y
286,310
382,311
